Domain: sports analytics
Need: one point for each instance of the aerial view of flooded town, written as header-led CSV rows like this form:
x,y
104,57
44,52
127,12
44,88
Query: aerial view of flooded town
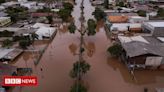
x,y
82,45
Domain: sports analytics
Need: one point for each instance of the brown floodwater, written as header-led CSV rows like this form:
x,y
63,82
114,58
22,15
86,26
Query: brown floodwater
x,y
106,74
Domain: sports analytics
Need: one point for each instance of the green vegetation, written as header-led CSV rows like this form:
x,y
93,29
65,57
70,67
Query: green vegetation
x,y
17,13
78,87
68,6
160,12
65,13
115,50
79,68
6,43
106,4
50,19
91,27
72,28
99,14
2,1
44,10
24,43
141,13
121,4
6,33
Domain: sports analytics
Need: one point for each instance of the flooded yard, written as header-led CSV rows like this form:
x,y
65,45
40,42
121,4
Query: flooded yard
x,y
106,74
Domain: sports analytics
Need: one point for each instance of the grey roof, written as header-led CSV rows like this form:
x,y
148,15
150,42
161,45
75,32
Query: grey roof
x,y
3,14
136,48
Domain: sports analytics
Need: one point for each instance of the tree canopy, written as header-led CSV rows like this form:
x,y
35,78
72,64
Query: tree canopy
x,y
99,14
91,27
72,28
141,13
6,43
65,13
17,13
115,50
160,12
106,4
2,1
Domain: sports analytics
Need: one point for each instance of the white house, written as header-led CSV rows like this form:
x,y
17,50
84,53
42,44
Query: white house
x,y
137,19
29,5
45,32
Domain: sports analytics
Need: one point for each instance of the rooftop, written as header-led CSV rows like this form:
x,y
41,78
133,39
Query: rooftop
x,y
155,23
118,19
140,46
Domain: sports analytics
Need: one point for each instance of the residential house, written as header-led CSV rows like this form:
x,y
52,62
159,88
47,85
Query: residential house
x,y
156,28
145,52
44,30
4,21
10,4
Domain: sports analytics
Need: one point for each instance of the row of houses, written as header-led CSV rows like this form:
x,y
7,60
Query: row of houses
x,y
145,47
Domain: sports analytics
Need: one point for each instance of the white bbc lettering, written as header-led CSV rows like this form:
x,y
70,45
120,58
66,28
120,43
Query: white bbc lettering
x,y
18,81
12,81
7,81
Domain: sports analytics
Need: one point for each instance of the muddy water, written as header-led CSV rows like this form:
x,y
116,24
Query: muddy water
x,y
106,74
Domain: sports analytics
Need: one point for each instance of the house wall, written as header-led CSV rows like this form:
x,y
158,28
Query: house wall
x,y
138,60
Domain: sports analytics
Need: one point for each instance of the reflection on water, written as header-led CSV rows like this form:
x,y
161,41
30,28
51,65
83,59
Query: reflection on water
x,y
63,29
90,48
73,48
142,76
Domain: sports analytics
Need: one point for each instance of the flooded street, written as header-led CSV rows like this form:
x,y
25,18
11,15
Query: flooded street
x,y
106,74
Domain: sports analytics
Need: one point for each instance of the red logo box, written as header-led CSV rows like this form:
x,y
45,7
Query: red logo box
x,y
20,81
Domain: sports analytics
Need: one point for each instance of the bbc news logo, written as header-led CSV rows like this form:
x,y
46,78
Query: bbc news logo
x,y
19,81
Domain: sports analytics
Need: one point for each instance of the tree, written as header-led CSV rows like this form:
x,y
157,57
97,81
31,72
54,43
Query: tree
x,y
72,28
24,43
79,67
34,36
91,27
106,4
65,13
45,9
6,33
17,13
78,87
141,13
50,19
2,1
99,14
115,50
68,6
160,12
120,4
6,43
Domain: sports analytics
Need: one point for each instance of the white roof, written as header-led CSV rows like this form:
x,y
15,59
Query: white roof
x,y
124,39
124,26
10,3
45,31
4,18
38,25
55,10
4,52
156,24
161,38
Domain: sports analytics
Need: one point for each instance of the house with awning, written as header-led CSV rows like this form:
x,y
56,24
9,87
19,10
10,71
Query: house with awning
x,y
145,52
